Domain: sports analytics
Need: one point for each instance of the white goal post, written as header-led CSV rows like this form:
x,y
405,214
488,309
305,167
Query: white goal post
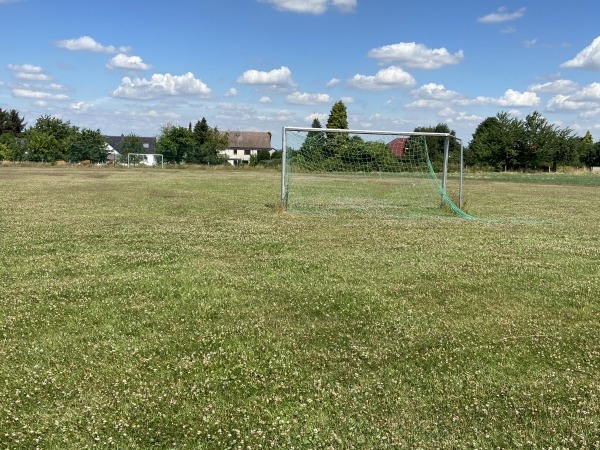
x,y
323,152
145,159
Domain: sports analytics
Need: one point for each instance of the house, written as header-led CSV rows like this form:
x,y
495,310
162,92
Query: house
x,y
398,146
114,146
242,145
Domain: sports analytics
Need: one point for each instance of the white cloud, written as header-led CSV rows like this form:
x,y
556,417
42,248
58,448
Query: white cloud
x,y
81,106
122,61
433,91
301,98
28,72
315,7
554,87
265,99
88,44
347,100
311,117
588,58
281,77
232,92
502,15
162,85
585,99
515,98
417,56
391,78
333,82
37,95
511,98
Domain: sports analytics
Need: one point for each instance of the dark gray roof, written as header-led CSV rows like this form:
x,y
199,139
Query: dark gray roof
x,y
116,142
249,140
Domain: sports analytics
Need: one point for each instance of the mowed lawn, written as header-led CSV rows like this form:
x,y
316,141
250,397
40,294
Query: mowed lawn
x,y
182,309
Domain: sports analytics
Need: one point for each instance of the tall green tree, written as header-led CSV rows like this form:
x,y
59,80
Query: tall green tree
x,y
88,145
435,145
175,143
132,143
11,122
313,147
495,141
201,131
338,119
209,142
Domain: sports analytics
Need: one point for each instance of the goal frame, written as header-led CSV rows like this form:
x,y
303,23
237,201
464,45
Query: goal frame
x,y
447,137
162,160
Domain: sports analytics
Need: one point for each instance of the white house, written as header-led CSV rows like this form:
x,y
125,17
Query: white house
x,y
245,144
114,144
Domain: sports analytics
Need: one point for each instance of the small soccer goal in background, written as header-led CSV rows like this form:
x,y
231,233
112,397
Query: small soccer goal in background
x,y
399,174
145,159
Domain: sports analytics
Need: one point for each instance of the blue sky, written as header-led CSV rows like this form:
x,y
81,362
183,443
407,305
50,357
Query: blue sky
x,y
132,66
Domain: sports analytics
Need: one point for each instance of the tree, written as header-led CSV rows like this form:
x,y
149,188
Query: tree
x,y
132,143
313,147
338,119
175,143
435,145
495,142
43,147
11,123
209,141
201,131
88,145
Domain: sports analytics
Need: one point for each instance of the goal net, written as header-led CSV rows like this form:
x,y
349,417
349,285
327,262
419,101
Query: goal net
x,y
145,160
400,174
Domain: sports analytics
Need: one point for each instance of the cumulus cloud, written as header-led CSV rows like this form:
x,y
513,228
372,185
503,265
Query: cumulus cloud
x,y
435,91
88,44
28,72
301,98
511,98
584,99
125,62
417,56
502,15
232,92
281,77
554,87
162,85
588,58
315,7
265,99
391,78
38,95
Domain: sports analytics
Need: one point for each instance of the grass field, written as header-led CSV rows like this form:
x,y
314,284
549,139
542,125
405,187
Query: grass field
x,y
181,309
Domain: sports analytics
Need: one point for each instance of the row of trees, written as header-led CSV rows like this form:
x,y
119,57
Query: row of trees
x,y
199,144
501,142
507,143
341,151
51,139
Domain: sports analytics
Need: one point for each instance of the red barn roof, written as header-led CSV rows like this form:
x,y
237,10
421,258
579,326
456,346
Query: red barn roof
x,y
397,146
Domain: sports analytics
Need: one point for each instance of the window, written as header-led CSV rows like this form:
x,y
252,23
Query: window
x,y
246,152
235,152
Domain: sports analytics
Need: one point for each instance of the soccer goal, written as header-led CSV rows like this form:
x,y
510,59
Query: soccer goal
x,y
399,174
145,159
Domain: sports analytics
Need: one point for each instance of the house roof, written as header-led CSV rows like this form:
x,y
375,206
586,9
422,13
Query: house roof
x,y
116,143
398,146
249,140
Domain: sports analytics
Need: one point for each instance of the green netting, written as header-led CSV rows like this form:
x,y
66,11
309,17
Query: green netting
x,y
387,174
